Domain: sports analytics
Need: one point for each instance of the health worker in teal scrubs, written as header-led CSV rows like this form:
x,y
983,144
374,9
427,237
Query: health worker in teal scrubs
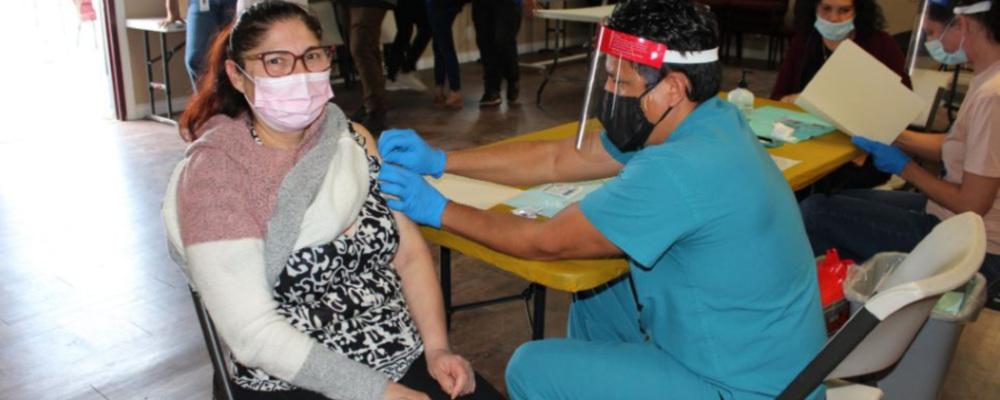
x,y
721,300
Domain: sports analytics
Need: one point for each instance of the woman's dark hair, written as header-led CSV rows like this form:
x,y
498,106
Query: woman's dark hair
x,y
868,16
989,19
681,25
941,11
216,94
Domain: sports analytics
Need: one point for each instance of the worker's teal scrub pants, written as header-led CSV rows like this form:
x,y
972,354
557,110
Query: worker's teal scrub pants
x,y
606,357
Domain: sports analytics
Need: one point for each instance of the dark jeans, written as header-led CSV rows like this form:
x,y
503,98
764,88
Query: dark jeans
x,y
497,23
442,15
850,176
860,223
405,54
201,28
417,378
366,30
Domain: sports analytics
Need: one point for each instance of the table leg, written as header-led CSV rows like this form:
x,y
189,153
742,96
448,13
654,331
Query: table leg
x,y
549,71
538,326
165,60
149,73
445,262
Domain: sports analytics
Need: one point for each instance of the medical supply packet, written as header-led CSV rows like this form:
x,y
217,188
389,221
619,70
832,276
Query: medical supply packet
x,y
549,199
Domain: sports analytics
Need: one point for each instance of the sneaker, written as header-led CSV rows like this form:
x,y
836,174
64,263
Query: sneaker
x,y
395,85
994,303
490,99
411,81
513,91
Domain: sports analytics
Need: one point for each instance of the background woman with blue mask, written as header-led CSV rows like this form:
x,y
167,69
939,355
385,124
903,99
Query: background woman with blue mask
x,y
861,223
821,26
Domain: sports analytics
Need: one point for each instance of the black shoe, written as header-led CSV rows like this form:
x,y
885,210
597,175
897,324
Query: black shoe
x,y
374,123
994,303
513,91
359,115
490,99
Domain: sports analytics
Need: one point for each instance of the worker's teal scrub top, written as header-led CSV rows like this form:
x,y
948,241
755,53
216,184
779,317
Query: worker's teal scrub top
x,y
718,252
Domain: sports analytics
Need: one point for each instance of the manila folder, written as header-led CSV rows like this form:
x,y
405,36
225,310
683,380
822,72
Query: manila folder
x,y
860,95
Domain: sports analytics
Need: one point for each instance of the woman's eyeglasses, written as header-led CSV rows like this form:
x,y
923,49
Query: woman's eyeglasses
x,y
282,63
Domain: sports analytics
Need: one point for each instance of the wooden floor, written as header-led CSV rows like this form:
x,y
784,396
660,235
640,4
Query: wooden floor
x,y
92,308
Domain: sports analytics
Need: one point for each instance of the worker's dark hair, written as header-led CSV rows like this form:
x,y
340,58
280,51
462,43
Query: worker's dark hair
x,y
216,94
681,25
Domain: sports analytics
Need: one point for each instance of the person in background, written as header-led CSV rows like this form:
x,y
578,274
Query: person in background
x,y
722,298
442,15
366,50
497,23
204,19
318,289
822,25
401,61
860,223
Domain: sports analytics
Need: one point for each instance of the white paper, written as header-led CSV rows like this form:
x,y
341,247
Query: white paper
x,y
784,163
860,95
473,193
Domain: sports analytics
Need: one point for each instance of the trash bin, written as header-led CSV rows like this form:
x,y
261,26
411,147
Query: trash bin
x,y
921,371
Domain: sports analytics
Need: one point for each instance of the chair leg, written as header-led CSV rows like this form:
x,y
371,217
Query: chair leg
x,y
214,346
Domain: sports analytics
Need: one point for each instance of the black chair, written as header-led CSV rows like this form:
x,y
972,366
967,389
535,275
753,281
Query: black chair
x,y
215,351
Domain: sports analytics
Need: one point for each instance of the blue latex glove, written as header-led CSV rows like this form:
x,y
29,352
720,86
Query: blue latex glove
x,y
415,197
404,147
887,158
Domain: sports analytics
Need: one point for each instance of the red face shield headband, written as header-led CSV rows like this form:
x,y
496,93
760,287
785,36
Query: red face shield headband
x,y
635,49
648,52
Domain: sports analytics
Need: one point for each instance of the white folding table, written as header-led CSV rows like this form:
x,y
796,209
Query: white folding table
x,y
147,25
590,15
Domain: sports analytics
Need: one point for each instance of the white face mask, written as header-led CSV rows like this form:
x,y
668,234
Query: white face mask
x,y
290,103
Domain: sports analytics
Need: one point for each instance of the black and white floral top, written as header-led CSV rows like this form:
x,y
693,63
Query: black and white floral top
x,y
346,295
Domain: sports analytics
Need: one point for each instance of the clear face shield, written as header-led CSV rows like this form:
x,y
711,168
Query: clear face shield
x,y
624,71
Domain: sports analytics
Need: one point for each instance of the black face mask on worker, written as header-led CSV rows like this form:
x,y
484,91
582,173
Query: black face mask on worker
x,y
625,122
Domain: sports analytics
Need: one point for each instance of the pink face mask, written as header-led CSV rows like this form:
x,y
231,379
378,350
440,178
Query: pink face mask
x,y
290,103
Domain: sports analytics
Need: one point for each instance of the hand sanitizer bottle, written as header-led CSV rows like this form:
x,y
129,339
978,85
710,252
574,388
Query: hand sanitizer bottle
x,y
742,97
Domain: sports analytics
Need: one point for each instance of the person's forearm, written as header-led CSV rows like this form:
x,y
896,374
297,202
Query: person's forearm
x,y
230,276
513,164
421,288
947,194
422,292
531,163
502,232
924,145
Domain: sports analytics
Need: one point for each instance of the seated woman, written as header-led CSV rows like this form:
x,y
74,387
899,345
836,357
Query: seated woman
x,y
318,289
822,26
861,223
